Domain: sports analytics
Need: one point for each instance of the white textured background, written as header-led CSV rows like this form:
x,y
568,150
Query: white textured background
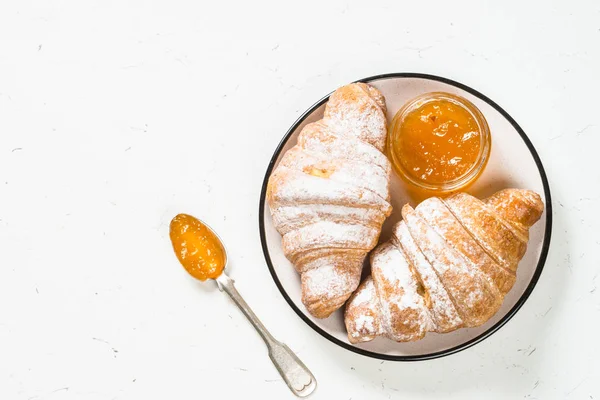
x,y
115,115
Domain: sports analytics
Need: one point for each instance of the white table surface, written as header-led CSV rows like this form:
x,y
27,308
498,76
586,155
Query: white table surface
x,y
116,115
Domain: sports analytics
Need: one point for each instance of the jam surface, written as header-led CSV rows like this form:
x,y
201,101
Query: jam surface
x,y
437,142
198,249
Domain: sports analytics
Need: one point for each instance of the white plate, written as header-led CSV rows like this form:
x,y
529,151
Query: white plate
x,y
513,163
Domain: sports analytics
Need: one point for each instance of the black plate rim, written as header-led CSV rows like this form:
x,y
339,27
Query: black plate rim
x,y
493,329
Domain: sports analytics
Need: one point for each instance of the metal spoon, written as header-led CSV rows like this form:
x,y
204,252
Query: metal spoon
x,y
293,371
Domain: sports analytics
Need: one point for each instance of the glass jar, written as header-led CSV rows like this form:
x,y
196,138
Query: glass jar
x,y
439,143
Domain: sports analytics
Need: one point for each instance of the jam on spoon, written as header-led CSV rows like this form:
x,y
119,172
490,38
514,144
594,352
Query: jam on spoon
x,y
198,249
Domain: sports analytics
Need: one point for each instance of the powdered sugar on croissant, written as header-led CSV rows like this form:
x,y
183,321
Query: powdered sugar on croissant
x,y
448,265
330,194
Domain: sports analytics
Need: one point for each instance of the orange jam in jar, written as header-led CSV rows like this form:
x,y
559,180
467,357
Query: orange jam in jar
x,y
439,143
197,247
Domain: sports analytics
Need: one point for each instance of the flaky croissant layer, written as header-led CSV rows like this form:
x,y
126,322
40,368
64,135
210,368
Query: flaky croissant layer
x,y
448,265
330,195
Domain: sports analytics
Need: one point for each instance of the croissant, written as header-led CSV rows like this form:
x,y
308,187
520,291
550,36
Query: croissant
x,y
448,265
330,195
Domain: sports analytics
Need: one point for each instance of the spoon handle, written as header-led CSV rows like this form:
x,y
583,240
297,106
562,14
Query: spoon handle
x,y
293,371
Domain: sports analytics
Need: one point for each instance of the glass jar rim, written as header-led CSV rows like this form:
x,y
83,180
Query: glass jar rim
x,y
484,149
